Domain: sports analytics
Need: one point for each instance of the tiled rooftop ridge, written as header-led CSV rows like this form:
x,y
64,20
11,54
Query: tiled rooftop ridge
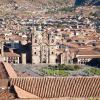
x,y
3,72
45,87
9,70
5,95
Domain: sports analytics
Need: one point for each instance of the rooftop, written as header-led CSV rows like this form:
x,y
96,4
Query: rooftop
x,y
52,87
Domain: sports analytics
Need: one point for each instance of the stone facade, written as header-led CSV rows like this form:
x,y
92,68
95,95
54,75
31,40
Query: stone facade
x,y
43,48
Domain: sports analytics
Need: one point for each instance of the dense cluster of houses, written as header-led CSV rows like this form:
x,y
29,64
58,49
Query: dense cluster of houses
x,y
71,39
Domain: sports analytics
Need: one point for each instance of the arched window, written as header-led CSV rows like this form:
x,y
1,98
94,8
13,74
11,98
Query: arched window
x,y
35,53
52,53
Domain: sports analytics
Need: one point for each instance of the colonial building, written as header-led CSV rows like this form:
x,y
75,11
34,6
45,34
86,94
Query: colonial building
x,y
51,46
8,56
43,47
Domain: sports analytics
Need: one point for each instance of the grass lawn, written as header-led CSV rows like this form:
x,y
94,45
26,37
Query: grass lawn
x,y
69,70
59,70
55,72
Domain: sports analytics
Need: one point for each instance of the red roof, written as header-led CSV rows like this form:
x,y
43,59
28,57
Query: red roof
x,y
11,54
49,87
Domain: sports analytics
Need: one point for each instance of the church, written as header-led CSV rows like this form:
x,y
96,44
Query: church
x,y
43,47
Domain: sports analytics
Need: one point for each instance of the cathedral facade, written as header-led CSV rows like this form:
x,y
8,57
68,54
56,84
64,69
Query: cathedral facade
x,y
43,47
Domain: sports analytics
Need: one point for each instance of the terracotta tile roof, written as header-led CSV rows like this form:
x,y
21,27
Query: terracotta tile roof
x,y
97,49
11,54
4,83
3,72
74,45
49,87
74,50
5,95
15,37
88,56
24,94
10,70
85,47
12,37
87,52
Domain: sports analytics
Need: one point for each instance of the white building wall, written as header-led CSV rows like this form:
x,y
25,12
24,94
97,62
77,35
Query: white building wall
x,y
23,58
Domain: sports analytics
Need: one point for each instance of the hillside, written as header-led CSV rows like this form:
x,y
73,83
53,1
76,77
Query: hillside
x,y
40,2
21,6
50,3
30,6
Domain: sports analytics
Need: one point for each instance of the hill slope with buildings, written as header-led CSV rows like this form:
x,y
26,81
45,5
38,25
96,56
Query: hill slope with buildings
x,y
41,2
13,6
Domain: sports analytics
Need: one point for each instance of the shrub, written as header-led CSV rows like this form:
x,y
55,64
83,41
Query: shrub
x,y
76,67
61,66
92,71
65,67
95,71
69,67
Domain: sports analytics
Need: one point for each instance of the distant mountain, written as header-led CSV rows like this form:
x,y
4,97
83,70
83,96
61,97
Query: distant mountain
x,y
19,6
31,6
46,2
87,2
55,2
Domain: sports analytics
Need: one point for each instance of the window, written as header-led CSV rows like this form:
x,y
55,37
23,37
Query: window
x,y
52,41
35,53
52,53
35,41
52,36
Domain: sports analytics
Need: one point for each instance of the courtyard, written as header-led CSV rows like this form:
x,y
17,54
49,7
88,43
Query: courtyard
x,y
55,70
